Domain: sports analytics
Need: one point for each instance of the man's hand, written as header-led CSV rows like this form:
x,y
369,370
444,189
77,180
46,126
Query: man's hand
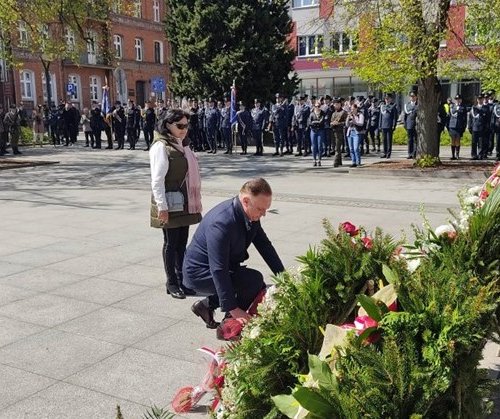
x,y
163,216
241,315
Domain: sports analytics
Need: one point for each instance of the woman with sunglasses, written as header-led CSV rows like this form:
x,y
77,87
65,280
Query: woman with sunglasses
x,y
176,200
316,123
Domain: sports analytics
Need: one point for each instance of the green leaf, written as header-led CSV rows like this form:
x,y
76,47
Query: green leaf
x,y
287,404
367,333
389,274
314,402
370,306
321,373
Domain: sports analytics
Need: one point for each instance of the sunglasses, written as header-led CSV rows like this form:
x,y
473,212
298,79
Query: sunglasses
x,y
181,126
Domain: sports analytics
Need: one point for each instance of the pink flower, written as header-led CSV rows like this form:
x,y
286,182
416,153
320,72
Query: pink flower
x,y
367,242
484,194
349,228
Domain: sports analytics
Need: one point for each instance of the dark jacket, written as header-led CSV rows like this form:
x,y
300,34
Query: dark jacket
x,y
478,119
410,115
220,245
458,118
388,116
317,121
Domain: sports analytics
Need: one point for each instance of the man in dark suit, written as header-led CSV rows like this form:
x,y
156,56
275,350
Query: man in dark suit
x,y
212,263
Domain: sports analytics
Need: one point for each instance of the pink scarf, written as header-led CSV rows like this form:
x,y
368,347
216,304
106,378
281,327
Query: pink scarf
x,y
193,179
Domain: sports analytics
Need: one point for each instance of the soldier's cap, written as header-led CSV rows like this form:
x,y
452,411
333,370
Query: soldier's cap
x,y
118,102
491,92
480,96
389,95
361,98
302,98
352,98
412,93
241,103
374,100
12,106
256,100
328,97
370,95
212,99
279,95
458,96
337,100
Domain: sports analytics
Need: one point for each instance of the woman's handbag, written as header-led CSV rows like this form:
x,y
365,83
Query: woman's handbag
x,y
175,201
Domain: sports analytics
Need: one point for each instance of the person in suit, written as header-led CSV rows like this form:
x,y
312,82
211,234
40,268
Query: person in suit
x,y
388,122
300,118
457,123
213,259
410,124
175,174
477,124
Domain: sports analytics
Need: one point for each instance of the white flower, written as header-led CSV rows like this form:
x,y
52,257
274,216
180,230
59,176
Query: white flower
x,y
444,230
413,264
471,200
254,332
475,190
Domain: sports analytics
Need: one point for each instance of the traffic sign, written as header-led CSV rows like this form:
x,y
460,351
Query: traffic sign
x,y
158,84
71,88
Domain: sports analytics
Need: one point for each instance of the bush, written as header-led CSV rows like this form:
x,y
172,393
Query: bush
x,y
26,137
400,137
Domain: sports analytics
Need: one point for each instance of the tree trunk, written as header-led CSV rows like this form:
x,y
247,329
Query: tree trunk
x,y
429,96
48,82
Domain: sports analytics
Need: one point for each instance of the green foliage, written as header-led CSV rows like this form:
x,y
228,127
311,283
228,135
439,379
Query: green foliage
x,y
401,137
427,161
324,291
155,412
215,43
426,363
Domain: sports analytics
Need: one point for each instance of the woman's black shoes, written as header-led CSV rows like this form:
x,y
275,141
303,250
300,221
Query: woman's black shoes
x,y
176,292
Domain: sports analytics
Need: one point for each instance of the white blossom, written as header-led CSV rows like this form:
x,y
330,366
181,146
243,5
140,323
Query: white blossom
x,y
444,230
413,264
471,200
254,332
475,190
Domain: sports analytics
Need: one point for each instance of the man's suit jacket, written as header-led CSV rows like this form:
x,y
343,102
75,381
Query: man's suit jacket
x,y
219,246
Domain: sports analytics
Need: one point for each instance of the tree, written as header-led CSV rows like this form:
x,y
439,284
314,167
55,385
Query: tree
x,y
216,42
52,30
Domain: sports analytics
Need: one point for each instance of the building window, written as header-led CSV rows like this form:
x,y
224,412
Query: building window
x,y
139,53
70,39
309,45
27,85
53,89
91,47
156,10
342,43
305,3
23,34
118,43
137,8
158,48
75,81
95,88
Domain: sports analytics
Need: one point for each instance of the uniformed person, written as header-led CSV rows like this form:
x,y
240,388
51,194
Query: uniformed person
x,y
410,123
300,119
278,123
225,126
327,109
245,123
119,124
289,138
212,123
373,124
194,129
491,131
133,116
260,117
202,126
338,123
478,123
495,126
12,123
388,121
457,123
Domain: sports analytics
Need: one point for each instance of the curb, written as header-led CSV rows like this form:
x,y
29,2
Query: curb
x,y
412,173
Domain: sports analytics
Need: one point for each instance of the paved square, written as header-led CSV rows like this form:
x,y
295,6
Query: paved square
x,y
85,323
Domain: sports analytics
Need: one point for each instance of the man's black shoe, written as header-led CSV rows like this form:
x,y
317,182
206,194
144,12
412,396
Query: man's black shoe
x,y
176,292
188,291
202,310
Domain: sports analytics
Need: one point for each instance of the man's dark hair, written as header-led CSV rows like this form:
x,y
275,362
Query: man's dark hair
x,y
256,186
169,117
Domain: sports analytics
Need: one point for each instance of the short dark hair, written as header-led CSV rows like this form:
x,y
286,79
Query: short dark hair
x,y
256,186
169,117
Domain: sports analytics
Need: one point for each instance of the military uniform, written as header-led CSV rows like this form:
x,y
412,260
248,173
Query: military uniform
x,y
478,126
457,123
212,123
327,110
133,116
12,123
4,135
495,126
225,126
337,124
194,129
279,120
373,124
300,119
119,125
245,123
410,124
149,126
260,117
388,120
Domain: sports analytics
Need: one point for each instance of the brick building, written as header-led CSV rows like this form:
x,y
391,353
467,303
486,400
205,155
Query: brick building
x,y
130,54
315,24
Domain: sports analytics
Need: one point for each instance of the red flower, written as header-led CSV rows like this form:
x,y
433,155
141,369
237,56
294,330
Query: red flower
x,y
484,194
183,400
349,228
367,242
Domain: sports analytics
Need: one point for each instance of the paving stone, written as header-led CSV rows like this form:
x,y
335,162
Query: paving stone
x,y
89,265
9,294
56,354
129,372
116,325
41,279
12,330
18,384
64,401
7,268
148,276
47,310
99,290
